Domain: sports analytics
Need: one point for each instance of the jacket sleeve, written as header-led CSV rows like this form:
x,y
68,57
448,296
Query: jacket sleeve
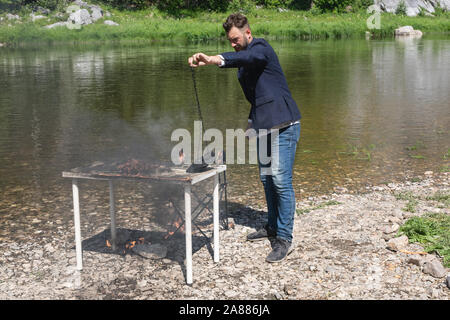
x,y
256,56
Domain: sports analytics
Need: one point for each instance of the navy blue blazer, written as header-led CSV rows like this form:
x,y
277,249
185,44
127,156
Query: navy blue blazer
x,y
264,85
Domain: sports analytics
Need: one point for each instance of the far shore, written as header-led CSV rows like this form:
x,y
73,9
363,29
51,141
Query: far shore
x,y
151,25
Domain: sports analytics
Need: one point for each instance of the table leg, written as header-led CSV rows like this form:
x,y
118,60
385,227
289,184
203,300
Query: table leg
x,y
112,215
76,214
188,231
216,217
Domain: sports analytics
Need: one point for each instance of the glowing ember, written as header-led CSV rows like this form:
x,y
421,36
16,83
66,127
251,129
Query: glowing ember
x,y
129,244
177,225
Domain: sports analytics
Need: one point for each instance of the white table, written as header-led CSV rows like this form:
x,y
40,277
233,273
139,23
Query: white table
x,y
179,177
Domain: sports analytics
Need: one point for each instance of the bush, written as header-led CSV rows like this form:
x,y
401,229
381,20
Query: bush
x,y
332,5
362,4
401,8
275,3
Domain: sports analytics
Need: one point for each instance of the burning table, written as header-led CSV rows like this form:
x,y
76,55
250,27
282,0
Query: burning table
x,y
138,170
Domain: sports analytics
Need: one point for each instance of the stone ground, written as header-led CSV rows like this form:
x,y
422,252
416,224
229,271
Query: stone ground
x,y
341,253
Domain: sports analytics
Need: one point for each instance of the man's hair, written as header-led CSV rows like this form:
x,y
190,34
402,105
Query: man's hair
x,y
235,20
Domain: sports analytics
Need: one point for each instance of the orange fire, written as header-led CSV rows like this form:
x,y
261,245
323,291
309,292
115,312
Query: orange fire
x,y
129,244
177,223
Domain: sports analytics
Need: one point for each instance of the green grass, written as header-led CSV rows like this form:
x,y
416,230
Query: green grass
x,y
411,198
153,25
319,206
356,151
431,230
441,197
447,155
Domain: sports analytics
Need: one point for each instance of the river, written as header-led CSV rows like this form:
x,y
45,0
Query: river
x,y
373,111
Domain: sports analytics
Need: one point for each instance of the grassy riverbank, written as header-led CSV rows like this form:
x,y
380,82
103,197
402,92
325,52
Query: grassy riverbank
x,y
154,25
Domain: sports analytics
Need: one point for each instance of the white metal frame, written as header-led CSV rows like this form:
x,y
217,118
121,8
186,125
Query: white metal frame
x,y
187,208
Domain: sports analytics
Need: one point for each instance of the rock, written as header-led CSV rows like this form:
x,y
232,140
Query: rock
x,y
341,190
434,268
150,251
41,10
407,31
288,289
396,244
391,229
57,24
80,17
110,23
413,7
230,293
428,173
97,13
2,44
398,214
81,4
12,16
59,15
448,281
277,295
49,248
34,18
416,260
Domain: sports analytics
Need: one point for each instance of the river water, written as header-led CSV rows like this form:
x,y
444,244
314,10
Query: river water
x,y
374,111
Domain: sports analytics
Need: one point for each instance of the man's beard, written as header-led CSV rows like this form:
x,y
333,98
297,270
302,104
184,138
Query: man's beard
x,y
243,47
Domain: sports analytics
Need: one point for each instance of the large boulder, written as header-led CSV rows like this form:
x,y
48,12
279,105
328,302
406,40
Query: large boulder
x,y
80,17
97,13
407,31
413,7
80,3
10,16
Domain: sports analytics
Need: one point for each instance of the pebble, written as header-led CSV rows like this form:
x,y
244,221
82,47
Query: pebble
x,y
399,243
392,228
434,268
341,252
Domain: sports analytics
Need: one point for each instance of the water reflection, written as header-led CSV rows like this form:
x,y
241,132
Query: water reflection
x,y
365,106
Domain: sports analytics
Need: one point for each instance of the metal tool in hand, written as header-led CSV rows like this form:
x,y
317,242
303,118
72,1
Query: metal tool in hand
x,y
197,167
199,110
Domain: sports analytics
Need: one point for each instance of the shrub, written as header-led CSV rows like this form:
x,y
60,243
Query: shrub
x,y
401,8
332,5
275,3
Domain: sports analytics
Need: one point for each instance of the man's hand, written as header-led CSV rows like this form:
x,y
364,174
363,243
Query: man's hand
x,y
201,59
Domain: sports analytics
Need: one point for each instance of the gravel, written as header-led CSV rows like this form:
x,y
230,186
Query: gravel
x,y
341,251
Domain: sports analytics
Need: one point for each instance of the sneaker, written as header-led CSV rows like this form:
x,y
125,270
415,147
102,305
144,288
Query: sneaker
x,y
280,250
261,234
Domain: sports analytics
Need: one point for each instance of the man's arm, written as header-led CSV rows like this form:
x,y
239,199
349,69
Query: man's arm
x,y
256,56
201,59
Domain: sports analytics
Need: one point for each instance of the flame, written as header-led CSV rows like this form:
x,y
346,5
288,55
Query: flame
x,y
176,225
129,244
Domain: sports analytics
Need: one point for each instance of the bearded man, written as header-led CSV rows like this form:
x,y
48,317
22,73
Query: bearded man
x,y
273,112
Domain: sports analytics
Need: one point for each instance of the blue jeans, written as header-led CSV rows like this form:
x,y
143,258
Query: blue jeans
x,y
276,177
